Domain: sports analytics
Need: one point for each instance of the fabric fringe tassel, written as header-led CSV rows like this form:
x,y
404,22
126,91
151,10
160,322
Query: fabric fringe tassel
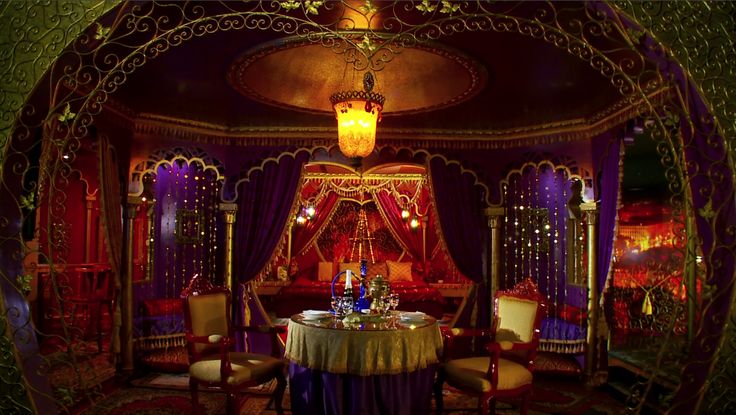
x,y
160,342
562,346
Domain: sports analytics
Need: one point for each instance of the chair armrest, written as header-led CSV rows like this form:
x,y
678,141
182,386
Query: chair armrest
x,y
212,339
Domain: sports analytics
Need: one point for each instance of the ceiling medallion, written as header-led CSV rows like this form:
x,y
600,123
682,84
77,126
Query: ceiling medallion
x,y
357,114
296,74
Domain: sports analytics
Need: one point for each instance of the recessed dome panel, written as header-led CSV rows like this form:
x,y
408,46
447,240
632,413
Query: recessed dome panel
x,y
302,76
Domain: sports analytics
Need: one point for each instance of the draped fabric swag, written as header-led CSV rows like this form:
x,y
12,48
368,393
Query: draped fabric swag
x,y
304,235
264,205
410,240
459,204
111,213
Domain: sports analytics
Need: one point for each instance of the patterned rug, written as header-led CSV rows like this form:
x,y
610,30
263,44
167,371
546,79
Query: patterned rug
x,y
167,394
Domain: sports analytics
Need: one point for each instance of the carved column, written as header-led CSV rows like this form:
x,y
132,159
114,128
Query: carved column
x,y
126,303
425,268
590,216
495,217
229,210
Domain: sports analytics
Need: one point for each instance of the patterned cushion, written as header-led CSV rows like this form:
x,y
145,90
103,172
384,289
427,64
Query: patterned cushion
x,y
352,266
325,271
163,306
171,359
379,268
470,373
399,271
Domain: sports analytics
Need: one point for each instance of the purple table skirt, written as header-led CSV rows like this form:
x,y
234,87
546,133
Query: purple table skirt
x,y
314,392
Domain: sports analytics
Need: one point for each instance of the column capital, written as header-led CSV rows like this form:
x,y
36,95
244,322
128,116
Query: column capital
x,y
590,212
229,210
494,214
495,211
228,207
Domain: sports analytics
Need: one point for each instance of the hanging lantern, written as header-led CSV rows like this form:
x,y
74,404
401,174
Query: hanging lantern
x,y
357,113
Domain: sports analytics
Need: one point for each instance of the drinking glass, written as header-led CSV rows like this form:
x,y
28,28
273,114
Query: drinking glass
x,y
394,301
347,305
336,305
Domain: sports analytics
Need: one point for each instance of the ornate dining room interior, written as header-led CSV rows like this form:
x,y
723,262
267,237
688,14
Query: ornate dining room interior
x,y
366,179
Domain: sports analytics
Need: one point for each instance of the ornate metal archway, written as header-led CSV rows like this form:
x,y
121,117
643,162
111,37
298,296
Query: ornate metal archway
x,y
54,44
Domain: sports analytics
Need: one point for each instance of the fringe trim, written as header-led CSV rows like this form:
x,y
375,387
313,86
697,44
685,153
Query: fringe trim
x,y
160,342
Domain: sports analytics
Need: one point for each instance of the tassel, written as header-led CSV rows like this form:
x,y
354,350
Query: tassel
x,y
646,306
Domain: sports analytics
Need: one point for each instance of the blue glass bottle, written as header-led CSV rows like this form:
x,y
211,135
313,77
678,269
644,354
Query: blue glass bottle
x,y
363,303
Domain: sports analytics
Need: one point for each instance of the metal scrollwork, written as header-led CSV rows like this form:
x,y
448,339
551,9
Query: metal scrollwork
x,y
84,58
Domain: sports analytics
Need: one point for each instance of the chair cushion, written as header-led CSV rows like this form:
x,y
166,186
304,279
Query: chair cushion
x,y
470,373
246,367
516,319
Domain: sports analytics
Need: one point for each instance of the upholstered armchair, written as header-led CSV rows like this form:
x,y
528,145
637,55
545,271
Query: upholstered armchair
x,y
209,334
505,370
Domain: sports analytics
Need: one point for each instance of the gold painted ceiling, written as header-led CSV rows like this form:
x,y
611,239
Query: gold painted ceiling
x,y
470,81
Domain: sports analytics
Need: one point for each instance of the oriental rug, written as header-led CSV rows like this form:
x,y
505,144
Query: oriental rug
x,y
166,394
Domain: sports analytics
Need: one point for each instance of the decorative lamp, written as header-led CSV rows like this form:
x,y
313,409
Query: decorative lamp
x,y
414,223
405,214
357,114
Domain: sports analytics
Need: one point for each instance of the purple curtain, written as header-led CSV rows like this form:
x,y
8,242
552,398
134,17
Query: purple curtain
x,y
712,188
609,146
304,235
459,204
264,204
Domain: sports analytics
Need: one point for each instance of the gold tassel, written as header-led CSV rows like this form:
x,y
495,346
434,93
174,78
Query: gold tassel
x,y
646,306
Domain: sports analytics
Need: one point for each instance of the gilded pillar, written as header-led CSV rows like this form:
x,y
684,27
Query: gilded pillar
x,y
495,222
229,210
590,216
126,303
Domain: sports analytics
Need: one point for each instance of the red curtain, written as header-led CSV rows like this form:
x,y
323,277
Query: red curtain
x,y
304,235
111,208
410,239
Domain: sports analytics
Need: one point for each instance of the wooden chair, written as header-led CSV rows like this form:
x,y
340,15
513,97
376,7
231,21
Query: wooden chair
x,y
512,346
209,334
92,291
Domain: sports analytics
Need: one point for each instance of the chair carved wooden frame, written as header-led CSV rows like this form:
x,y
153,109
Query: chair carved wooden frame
x,y
512,345
209,334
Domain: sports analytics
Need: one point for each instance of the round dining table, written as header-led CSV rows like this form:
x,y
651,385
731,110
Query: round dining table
x,y
362,364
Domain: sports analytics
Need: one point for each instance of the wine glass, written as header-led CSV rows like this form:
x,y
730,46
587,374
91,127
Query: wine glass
x,y
394,301
347,305
336,305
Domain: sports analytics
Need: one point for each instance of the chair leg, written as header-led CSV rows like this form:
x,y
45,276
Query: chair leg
x,y
524,403
194,390
438,399
278,395
233,404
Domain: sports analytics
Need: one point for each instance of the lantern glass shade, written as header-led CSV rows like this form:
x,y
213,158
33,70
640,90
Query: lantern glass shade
x,y
356,126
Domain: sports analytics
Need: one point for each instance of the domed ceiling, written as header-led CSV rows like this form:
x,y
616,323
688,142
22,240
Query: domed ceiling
x,y
470,81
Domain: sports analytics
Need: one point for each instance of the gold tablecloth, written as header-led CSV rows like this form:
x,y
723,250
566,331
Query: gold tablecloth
x,y
375,350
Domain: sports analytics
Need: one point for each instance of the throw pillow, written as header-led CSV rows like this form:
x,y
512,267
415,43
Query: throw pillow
x,y
325,271
399,271
378,268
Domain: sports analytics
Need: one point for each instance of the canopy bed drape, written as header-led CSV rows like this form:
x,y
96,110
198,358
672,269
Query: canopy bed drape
x,y
418,244
303,236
